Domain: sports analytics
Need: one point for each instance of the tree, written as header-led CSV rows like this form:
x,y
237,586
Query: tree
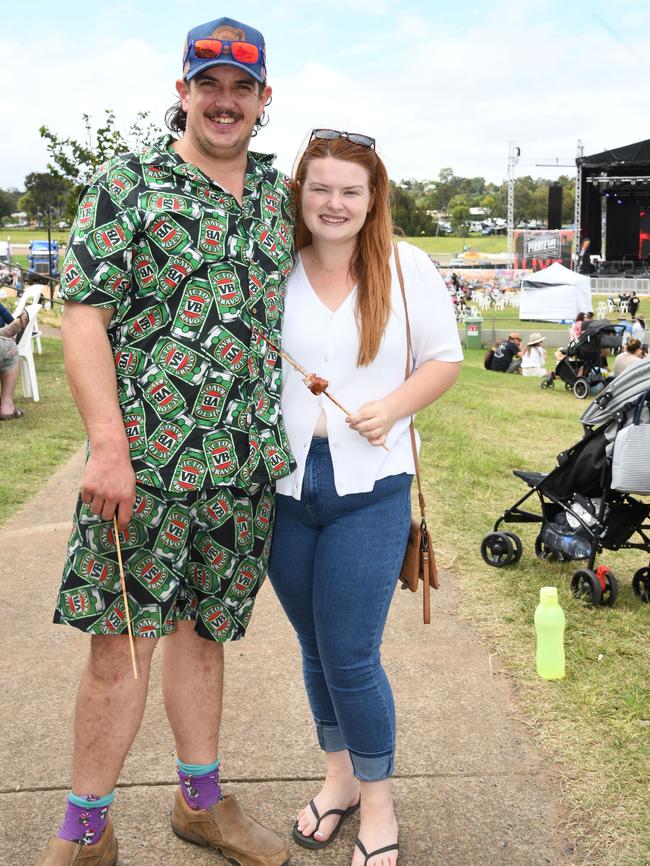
x,y
78,162
8,202
46,194
459,218
407,216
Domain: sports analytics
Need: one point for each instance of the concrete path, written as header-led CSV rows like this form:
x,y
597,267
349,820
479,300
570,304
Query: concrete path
x,y
470,788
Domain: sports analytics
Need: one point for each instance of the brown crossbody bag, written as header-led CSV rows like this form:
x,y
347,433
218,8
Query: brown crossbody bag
x,y
419,561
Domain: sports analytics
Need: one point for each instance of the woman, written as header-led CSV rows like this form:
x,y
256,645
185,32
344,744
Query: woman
x,y
576,328
638,329
533,360
632,353
343,516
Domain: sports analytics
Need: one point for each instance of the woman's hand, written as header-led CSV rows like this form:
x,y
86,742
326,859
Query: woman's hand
x,y
373,421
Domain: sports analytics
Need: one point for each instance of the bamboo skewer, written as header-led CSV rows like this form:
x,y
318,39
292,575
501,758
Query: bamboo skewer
x,y
125,597
304,373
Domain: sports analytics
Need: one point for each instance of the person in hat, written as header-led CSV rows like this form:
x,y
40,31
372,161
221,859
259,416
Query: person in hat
x,y
174,275
533,359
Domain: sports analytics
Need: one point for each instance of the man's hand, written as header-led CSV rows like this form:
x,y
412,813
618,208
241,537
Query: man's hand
x,y
108,485
373,421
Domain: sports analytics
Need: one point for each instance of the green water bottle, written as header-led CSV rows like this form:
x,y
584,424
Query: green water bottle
x,y
549,625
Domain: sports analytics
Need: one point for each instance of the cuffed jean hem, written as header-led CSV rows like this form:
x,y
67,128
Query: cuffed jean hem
x,y
330,737
373,768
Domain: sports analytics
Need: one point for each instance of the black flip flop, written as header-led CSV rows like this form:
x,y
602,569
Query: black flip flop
x,y
309,841
385,850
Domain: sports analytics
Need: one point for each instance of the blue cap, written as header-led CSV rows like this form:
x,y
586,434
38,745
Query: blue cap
x,y
228,31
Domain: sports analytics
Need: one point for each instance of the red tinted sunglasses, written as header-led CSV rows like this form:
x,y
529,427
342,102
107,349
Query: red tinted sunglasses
x,y
208,49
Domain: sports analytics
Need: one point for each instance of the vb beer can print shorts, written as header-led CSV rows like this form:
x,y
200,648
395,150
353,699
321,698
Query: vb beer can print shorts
x,y
200,557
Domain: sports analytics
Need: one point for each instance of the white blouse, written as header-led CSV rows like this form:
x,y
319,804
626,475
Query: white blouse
x,y
327,343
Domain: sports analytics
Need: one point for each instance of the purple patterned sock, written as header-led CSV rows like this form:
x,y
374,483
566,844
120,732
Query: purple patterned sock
x,y
199,784
85,818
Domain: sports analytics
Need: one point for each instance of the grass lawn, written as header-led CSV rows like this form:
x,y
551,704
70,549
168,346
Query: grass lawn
x,y
489,244
51,430
595,724
509,319
25,235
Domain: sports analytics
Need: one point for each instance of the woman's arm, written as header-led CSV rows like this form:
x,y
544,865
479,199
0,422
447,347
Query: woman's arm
x,y
429,382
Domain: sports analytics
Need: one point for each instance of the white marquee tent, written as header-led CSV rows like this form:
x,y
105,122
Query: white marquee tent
x,y
555,294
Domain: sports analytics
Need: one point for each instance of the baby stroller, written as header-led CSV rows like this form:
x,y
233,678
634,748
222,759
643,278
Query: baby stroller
x,y
580,368
585,507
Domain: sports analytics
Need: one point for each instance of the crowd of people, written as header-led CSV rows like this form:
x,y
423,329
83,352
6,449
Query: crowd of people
x,y
513,355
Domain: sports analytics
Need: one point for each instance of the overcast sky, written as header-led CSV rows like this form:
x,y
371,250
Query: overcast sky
x,y
435,88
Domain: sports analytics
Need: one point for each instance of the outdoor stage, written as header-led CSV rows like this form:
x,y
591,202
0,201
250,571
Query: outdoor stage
x,y
613,201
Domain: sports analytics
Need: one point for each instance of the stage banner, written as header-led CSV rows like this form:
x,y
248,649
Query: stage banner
x,y
535,250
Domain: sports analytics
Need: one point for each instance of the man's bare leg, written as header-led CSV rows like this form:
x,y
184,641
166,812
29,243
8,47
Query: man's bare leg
x,y
192,682
110,705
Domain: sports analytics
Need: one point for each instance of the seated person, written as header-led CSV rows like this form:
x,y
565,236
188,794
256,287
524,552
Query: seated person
x,y
9,367
507,355
633,352
533,360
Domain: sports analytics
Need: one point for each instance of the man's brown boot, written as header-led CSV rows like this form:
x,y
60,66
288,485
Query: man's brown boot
x,y
60,852
225,827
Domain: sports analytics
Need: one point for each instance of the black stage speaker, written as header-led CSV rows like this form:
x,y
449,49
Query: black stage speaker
x,y
554,206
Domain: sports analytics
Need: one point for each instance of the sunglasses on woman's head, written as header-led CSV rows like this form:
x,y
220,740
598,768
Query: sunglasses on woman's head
x,y
352,137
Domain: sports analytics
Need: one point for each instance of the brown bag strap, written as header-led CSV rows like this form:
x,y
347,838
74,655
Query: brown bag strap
x,y
425,539
416,460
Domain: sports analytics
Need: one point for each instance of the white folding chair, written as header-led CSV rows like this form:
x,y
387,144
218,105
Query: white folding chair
x,y
26,355
601,310
32,295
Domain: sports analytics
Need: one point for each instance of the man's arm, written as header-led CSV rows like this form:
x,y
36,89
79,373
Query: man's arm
x,y
109,481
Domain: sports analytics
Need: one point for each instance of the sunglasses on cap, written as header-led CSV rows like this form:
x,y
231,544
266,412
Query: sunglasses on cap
x,y
352,137
209,49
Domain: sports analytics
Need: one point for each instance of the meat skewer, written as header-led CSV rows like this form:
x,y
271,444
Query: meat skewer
x,y
316,384
129,627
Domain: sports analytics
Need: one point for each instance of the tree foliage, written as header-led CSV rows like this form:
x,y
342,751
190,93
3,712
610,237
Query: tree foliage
x,y
46,195
77,161
418,205
8,202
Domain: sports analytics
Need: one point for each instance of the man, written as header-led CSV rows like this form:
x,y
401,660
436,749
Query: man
x,y
507,355
173,279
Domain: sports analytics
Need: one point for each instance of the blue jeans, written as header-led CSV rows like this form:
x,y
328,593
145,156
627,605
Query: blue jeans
x,y
334,566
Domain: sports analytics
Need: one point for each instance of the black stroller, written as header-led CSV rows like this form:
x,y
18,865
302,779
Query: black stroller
x,y
580,514
580,368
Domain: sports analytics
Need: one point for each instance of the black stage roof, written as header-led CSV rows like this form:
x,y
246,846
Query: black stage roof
x,y
632,155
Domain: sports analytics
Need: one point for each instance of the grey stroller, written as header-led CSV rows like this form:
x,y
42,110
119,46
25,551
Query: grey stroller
x,y
586,503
